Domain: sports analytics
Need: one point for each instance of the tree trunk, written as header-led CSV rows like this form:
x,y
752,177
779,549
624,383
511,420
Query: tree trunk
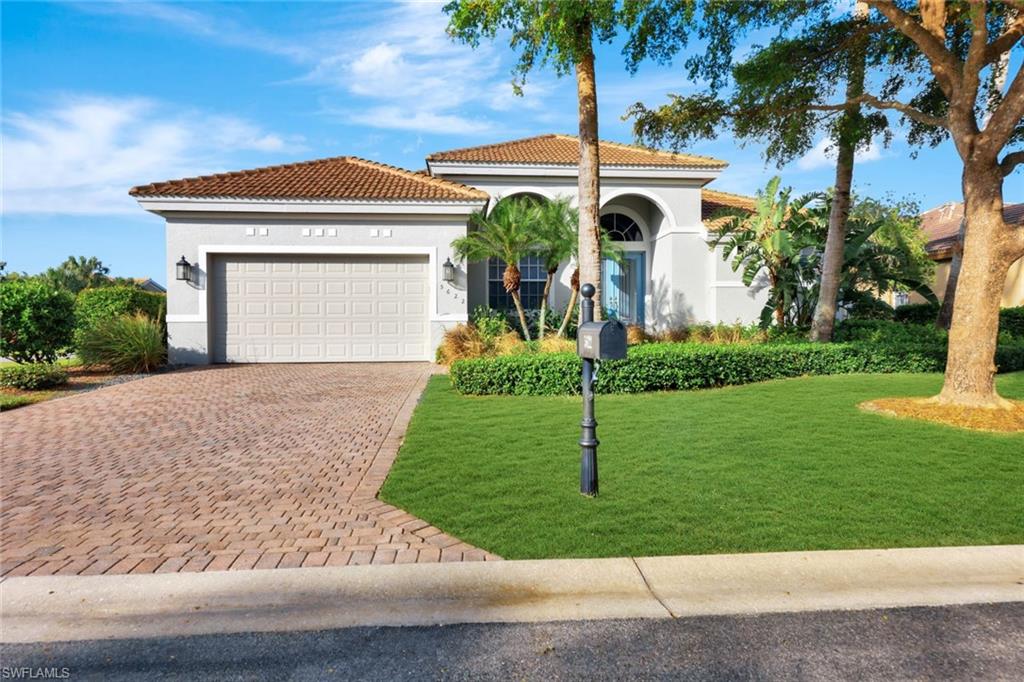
x,y
544,304
522,313
589,182
573,296
946,311
987,256
835,244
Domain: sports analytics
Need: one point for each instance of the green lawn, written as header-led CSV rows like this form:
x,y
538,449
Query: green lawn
x,y
782,465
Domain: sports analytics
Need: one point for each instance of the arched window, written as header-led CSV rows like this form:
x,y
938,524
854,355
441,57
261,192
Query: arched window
x,y
621,228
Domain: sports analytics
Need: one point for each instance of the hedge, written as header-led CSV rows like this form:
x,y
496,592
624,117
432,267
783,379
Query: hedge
x,y
32,377
95,305
37,320
1011,321
917,313
674,366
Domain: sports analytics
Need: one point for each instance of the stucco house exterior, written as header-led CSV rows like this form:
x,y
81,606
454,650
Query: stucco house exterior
x,y
342,259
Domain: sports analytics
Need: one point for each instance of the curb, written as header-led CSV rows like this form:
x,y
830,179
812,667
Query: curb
x,y
64,608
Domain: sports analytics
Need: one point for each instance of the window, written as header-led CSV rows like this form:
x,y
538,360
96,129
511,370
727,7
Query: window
x,y
531,286
621,228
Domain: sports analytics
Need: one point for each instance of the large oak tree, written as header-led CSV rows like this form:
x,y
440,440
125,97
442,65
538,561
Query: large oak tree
x,y
932,64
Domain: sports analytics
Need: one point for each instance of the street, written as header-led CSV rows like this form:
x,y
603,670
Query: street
x,y
941,643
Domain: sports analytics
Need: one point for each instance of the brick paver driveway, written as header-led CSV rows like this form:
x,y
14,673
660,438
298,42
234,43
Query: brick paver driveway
x,y
231,467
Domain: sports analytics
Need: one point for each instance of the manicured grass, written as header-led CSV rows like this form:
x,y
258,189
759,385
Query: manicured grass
x,y
782,465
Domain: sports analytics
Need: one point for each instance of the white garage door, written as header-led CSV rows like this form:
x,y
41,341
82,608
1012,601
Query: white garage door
x,y
319,308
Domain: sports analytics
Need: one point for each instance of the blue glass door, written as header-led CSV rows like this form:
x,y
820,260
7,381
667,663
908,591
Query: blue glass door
x,y
623,288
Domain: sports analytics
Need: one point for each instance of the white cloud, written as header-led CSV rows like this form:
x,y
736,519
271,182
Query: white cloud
x,y
82,154
411,76
824,154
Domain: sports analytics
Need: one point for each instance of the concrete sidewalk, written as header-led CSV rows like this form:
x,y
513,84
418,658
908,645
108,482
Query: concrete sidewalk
x,y
56,608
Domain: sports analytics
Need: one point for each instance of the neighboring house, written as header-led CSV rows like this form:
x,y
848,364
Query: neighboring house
x,y
941,226
342,259
147,284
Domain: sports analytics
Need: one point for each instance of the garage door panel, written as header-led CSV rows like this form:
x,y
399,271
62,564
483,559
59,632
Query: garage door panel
x,y
285,308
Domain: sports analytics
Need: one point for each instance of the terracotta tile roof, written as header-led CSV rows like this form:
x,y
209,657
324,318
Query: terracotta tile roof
x,y
712,201
564,150
340,177
941,226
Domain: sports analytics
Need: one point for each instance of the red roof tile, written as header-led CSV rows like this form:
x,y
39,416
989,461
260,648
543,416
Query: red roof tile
x,y
340,177
941,225
565,149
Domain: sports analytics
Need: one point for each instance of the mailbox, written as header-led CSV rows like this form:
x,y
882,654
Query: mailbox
x,y
601,340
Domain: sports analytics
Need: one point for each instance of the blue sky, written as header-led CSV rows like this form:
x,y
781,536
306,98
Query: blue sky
x,y
100,97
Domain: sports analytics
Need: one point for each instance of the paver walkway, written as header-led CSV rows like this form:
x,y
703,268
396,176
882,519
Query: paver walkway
x,y
222,468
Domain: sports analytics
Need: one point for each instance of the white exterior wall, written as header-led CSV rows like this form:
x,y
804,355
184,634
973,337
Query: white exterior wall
x,y
199,238
686,281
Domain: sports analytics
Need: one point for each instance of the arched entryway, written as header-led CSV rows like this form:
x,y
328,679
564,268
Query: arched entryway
x,y
624,279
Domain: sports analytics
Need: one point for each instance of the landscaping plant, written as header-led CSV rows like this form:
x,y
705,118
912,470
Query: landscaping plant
x,y
506,233
681,366
126,343
32,377
37,320
96,305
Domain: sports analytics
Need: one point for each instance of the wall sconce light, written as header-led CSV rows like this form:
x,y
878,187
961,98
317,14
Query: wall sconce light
x,y
448,271
184,270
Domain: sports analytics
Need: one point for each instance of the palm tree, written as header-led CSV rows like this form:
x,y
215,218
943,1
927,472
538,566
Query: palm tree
x,y
506,233
884,251
555,229
773,239
609,249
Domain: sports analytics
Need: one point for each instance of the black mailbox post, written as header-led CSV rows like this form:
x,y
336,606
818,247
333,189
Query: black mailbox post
x,y
604,340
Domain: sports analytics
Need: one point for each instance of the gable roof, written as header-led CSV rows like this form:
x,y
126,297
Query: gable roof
x,y
339,178
565,150
941,226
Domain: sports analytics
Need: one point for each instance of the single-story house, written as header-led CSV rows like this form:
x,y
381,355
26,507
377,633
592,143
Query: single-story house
x,y
343,259
941,227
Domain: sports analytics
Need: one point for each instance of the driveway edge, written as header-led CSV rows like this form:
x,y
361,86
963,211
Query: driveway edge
x,y
61,608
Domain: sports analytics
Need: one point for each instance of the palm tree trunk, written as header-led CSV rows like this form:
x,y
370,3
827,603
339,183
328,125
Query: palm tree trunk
x,y
573,296
589,181
522,313
835,243
544,304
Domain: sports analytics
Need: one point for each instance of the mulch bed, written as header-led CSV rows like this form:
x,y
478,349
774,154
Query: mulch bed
x,y
1003,420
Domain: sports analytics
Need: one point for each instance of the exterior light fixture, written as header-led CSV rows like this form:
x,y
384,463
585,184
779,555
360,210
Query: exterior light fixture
x,y
184,270
448,271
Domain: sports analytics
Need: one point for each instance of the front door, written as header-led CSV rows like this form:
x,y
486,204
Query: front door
x,y
623,288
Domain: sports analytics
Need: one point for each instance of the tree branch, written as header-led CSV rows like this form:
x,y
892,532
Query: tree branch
x,y
1006,117
1010,162
943,64
872,101
1014,32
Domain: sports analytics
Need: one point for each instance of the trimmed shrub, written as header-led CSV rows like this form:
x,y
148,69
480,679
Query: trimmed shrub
x,y
37,320
674,366
917,313
32,377
128,343
887,331
95,305
1011,321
